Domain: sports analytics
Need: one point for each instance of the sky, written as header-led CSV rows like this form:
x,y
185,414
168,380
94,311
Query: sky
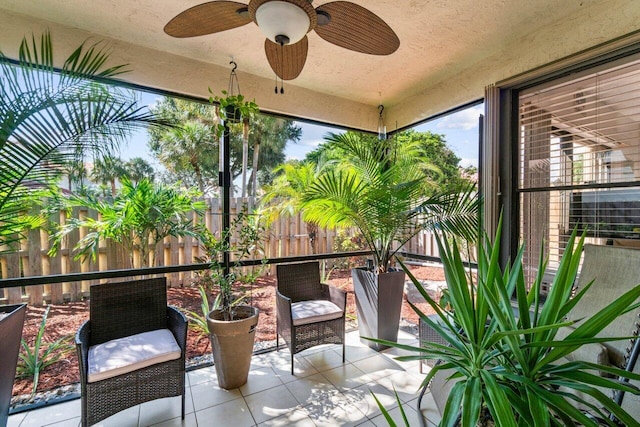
x,y
460,130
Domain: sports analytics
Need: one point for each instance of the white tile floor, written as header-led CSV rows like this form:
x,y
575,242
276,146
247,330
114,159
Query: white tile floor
x,y
323,392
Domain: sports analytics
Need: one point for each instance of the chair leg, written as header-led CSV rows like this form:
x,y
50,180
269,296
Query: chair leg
x,y
291,361
343,347
277,339
183,393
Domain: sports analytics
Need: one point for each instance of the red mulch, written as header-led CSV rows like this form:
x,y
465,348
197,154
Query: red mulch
x,y
65,319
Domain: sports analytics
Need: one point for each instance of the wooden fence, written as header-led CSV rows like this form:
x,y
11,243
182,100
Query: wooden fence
x,y
285,237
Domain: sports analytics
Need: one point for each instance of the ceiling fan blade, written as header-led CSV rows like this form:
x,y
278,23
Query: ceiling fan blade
x,y
355,28
287,61
208,18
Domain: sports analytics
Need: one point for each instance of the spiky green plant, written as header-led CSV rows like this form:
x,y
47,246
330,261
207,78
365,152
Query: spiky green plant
x,y
35,358
511,364
48,116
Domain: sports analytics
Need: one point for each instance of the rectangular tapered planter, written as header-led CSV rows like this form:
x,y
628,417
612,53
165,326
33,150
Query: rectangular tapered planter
x,y
379,304
11,322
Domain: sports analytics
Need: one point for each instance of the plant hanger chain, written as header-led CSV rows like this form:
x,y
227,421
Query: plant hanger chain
x,y
233,80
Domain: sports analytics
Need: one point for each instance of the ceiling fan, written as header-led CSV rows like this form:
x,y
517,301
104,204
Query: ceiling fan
x,y
285,23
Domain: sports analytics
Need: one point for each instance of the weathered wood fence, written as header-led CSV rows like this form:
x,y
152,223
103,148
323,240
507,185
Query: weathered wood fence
x,y
285,237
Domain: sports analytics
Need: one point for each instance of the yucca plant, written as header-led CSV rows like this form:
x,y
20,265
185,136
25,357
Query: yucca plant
x,y
510,365
35,358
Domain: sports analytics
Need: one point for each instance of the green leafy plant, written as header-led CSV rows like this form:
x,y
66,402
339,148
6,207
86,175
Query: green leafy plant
x,y
50,116
232,107
385,191
34,359
199,320
140,216
511,366
242,240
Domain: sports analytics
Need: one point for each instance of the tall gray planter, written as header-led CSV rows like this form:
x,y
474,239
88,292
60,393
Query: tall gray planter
x,y
379,304
11,322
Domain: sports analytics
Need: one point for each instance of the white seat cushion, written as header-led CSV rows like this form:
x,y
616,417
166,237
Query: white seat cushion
x,y
124,355
304,312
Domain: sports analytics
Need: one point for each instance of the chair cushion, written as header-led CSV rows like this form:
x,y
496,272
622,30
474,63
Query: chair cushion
x,y
128,354
312,311
592,352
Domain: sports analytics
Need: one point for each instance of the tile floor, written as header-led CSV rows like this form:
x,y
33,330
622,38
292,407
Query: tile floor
x,y
323,392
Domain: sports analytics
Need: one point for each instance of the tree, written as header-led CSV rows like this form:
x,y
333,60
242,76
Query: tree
x,y
140,215
46,117
287,189
107,170
385,190
435,149
190,153
269,136
138,168
446,172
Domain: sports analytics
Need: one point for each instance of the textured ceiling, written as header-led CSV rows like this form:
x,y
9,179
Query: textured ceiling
x,y
439,40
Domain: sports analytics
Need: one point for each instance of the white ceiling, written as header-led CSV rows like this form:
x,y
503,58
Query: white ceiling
x,y
449,50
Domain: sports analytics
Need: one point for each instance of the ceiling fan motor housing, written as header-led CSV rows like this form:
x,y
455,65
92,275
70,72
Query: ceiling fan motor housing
x,y
283,21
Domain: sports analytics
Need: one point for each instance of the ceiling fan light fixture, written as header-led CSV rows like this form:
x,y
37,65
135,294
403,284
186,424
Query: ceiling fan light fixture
x,y
243,12
281,18
323,17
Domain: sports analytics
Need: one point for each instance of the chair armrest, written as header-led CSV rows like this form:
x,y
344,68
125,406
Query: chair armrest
x,y
177,324
337,296
283,306
83,339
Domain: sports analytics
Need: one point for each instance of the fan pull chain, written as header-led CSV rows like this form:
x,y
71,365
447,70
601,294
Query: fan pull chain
x,y
281,67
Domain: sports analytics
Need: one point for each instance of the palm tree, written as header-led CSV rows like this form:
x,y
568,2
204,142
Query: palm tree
x,y
47,117
138,168
384,189
289,186
107,170
140,215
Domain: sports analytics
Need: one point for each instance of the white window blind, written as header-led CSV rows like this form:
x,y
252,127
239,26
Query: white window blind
x,y
580,161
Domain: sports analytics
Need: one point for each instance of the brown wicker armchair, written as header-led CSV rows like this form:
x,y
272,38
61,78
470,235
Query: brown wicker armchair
x,y
310,313
116,371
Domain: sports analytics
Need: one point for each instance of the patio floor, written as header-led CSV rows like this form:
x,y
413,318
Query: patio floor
x,y
324,392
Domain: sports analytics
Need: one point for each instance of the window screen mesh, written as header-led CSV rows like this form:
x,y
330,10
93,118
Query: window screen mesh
x,y
580,162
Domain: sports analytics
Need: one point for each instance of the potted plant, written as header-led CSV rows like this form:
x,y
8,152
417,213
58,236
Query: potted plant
x,y
230,323
385,191
507,367
11,322
233,108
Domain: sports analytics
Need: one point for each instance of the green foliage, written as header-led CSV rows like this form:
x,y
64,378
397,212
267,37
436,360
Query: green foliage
x,y
512,365
140,215
243,240
189,151
138,168
344,241
34,359
384,189
435,149
232,106
48,117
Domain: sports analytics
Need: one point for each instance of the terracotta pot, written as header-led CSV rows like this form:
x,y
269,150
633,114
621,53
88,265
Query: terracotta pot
x,y
379,304
11,322
232,345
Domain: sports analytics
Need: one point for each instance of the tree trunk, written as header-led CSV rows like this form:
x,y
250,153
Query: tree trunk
x,y
254,172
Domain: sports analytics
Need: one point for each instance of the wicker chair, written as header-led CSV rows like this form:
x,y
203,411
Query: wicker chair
x,y
310,313
121,314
